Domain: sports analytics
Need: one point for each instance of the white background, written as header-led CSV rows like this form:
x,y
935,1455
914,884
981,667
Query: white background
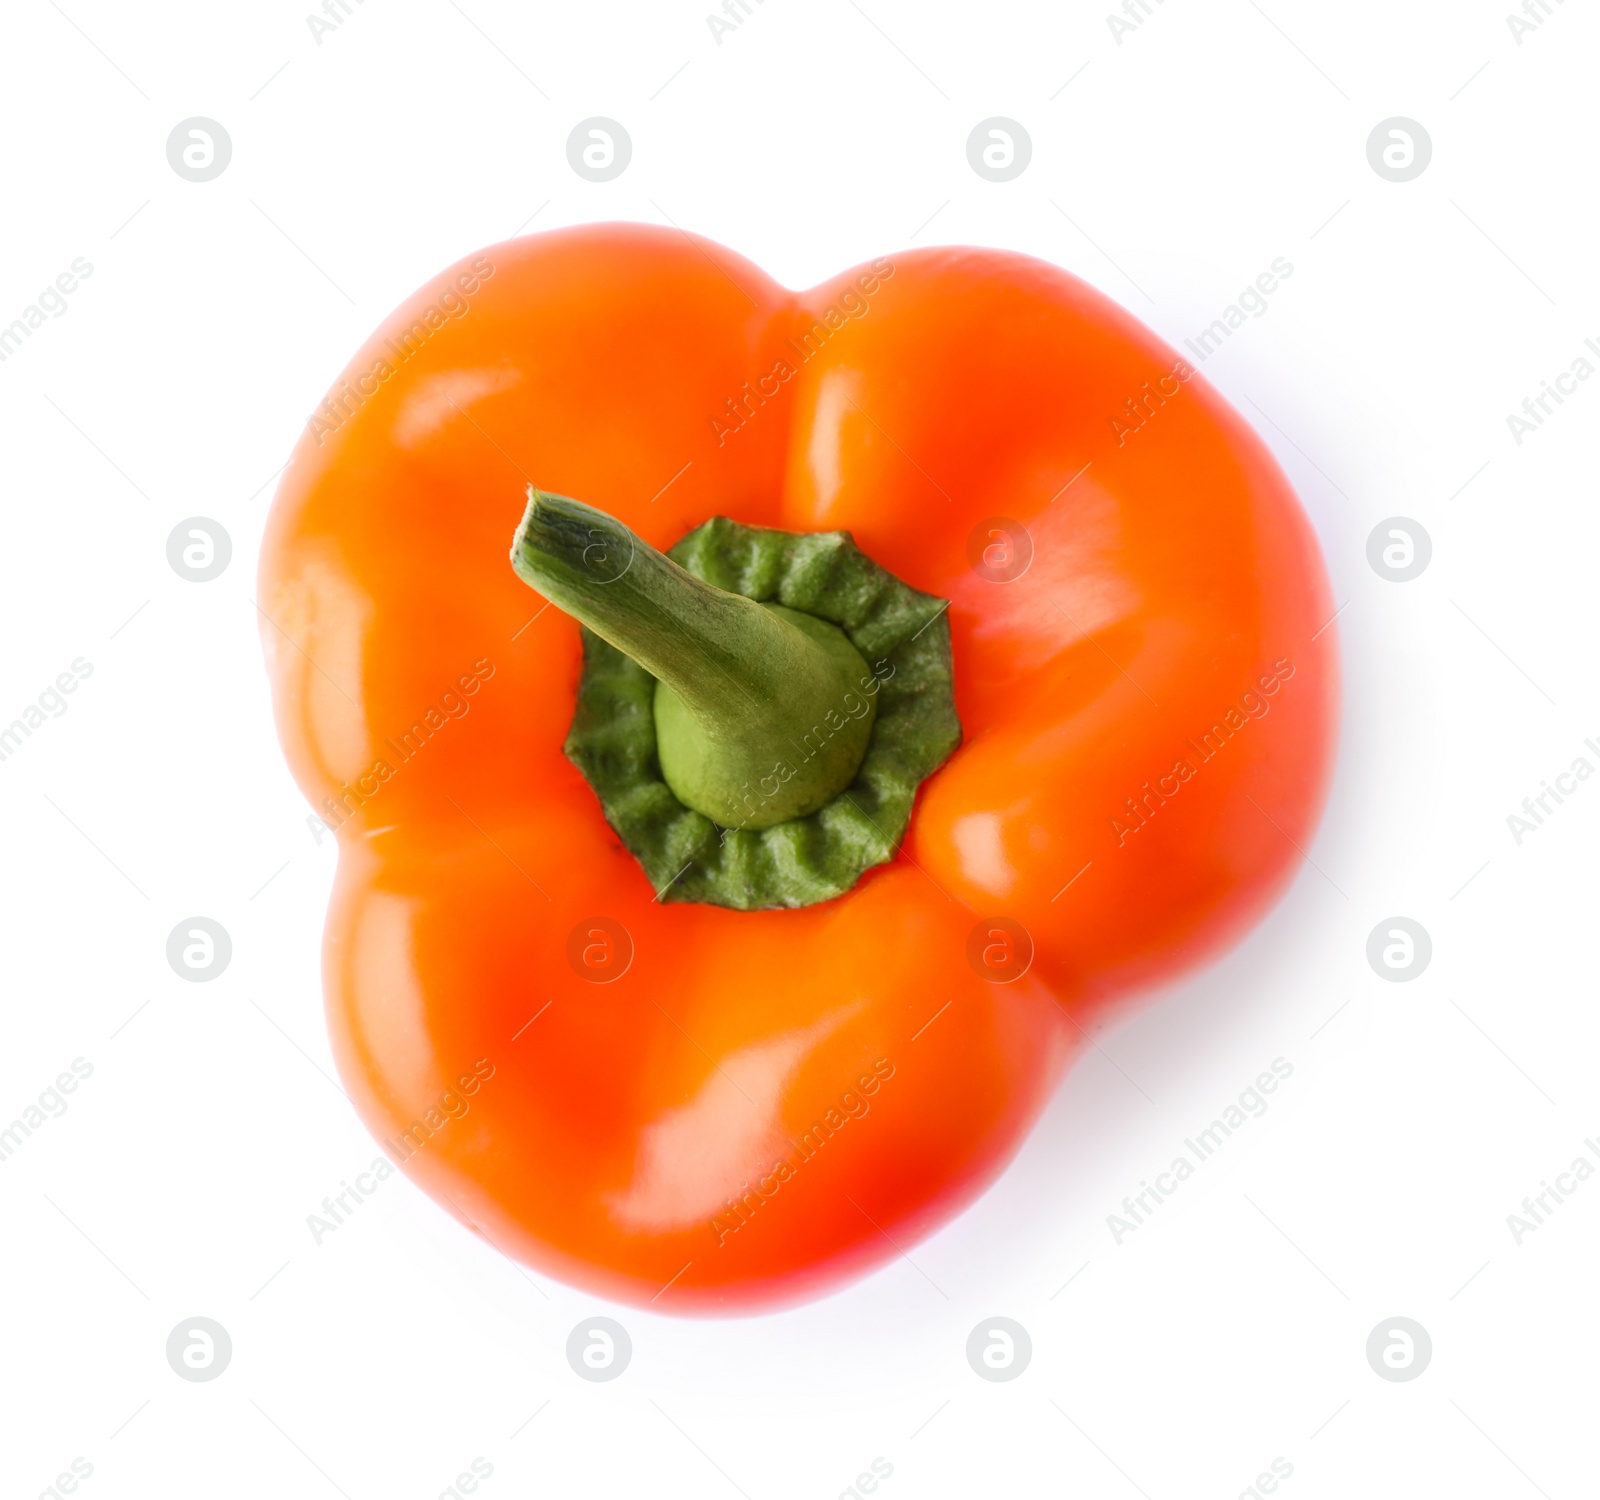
x,y
1169,171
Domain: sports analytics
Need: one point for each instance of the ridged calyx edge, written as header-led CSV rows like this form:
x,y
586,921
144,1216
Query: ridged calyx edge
x,y
905,638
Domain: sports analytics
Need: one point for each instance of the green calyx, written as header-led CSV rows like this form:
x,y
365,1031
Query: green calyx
x,y
756,708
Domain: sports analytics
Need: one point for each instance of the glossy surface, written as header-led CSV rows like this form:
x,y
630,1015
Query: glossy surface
x,y
603,1131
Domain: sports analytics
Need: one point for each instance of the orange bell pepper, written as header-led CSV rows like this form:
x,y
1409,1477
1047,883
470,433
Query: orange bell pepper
x,y
699,1108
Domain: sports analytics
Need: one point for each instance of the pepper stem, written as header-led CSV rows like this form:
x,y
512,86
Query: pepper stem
x,y
762,713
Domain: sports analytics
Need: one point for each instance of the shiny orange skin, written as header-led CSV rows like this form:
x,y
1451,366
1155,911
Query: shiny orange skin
x,y
602,1130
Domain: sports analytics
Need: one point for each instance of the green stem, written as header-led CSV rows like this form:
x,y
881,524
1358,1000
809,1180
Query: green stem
x,y
762,712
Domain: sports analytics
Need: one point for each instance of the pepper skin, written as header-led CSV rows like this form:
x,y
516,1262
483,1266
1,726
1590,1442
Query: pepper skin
x,y
703,1110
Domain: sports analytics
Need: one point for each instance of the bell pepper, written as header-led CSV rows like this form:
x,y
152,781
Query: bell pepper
x,y
885,679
